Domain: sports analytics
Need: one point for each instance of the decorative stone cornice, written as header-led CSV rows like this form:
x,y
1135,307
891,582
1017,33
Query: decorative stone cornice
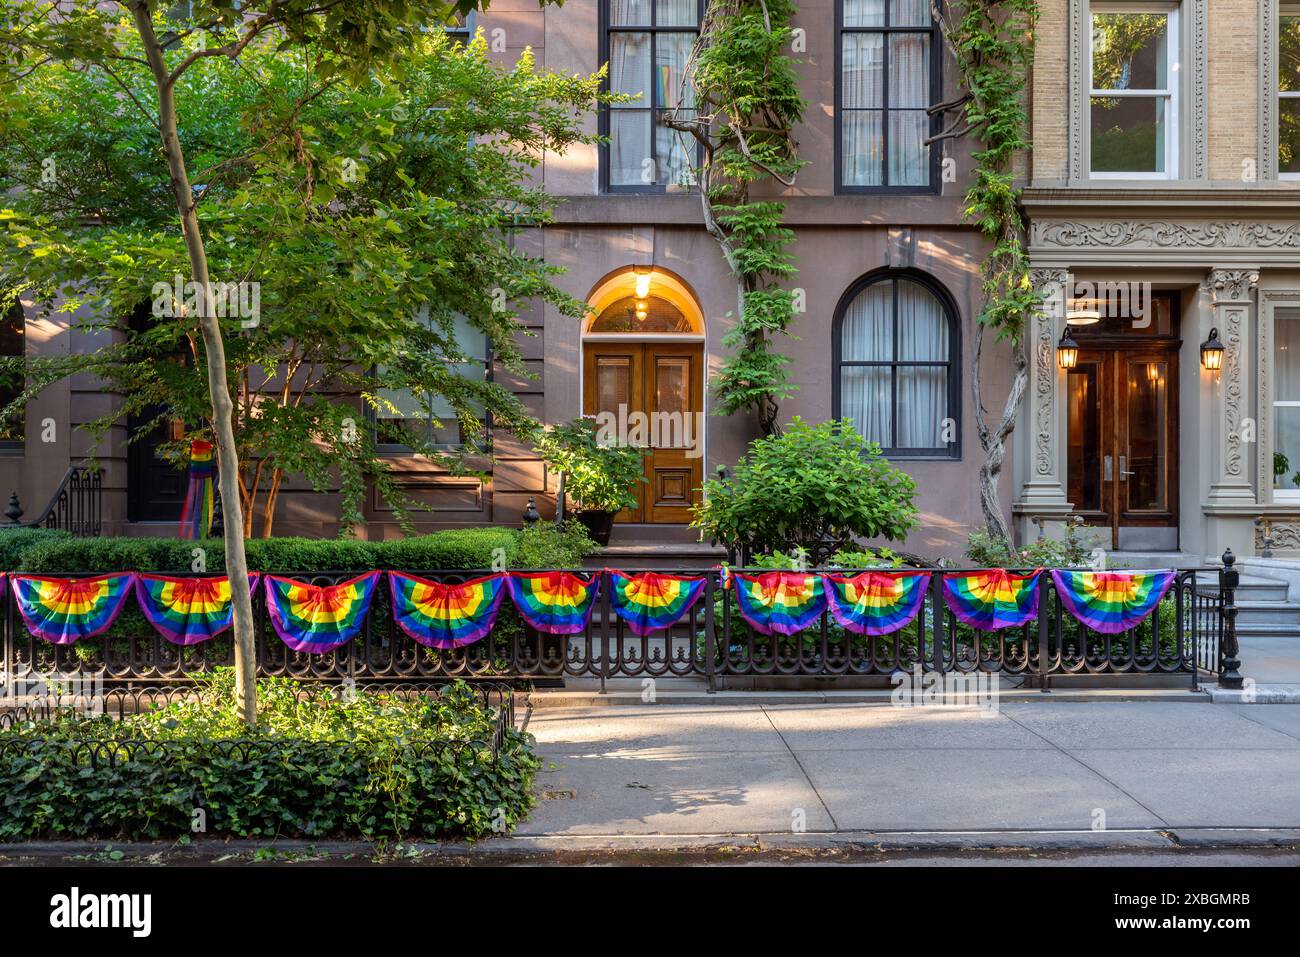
x,y
1165,234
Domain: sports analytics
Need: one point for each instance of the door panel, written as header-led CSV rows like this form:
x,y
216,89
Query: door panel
x,y
1122,449
658,390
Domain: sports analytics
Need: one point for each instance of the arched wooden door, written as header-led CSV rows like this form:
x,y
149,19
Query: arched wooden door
x,y
643,373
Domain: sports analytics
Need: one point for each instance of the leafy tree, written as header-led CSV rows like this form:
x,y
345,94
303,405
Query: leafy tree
x,y
815,487
262,176
992,42
739,105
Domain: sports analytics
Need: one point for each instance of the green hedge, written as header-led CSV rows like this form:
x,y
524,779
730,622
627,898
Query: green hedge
x,y
538,547
319,765
15,543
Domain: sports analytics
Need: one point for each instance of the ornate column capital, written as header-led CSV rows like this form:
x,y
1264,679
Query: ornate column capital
x,y
1231,285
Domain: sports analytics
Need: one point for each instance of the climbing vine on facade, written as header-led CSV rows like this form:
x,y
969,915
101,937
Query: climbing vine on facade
x,y
738,106
992,42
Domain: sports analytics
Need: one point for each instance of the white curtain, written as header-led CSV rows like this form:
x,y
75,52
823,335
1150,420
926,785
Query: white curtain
x,y
867,393
862,96
671,53
909,97
677,13
629,127
635,13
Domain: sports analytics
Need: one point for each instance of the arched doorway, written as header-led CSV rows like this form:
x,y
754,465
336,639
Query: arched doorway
x,y
643,375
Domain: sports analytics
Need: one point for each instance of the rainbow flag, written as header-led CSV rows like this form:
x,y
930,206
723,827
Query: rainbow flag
x,y
65,610
446,615
651,602
1111,602
876,603
558,603
992,599
319,618
196,514
186,611
781,603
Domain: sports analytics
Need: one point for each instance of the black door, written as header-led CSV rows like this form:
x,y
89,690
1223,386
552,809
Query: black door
x,y
155,488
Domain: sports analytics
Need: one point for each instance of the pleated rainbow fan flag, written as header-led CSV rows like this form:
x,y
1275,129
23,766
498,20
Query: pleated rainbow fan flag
x,y
992,599
319,618
186,611
65,610
876,603
1111,602
781,603
446,615
651,602
557,603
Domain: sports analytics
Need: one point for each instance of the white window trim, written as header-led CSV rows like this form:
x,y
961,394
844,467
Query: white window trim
x,y
1173,79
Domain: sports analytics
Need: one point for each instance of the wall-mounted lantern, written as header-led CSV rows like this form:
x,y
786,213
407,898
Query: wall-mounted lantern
x,y
1067,351
1212,352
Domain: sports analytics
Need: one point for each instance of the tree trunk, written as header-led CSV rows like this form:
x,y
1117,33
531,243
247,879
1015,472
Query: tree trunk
x,y
222,406
993,441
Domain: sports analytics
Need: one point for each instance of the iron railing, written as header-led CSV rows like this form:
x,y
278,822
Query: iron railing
x,y
1192,632
77,505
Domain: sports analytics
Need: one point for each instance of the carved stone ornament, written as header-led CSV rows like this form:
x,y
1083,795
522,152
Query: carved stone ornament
x,y
1165,234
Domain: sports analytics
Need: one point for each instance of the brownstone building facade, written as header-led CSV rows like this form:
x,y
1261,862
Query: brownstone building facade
x,y
888,283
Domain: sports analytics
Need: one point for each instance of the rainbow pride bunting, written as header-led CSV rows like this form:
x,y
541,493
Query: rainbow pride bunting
x,y
316,618
446,615
781,603
186,611
876,603
64,610
1111,602
992,599
558,603
651,602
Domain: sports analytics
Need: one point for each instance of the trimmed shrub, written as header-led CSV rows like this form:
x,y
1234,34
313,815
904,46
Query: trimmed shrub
x,y
319,765
539,547
15,543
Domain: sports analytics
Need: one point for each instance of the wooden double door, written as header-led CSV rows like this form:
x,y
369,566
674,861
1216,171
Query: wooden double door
x,y
1123,442
655,393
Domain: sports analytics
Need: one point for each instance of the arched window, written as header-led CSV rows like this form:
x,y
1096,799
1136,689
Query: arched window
x,y
897,348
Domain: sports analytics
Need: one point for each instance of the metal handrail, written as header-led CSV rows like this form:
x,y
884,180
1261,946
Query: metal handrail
x,y
76,506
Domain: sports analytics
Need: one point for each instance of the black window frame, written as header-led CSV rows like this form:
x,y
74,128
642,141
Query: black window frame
x,y
603,124
953,450
936,90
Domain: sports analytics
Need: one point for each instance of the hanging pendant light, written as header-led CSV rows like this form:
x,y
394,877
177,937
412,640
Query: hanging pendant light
x,y
1067,351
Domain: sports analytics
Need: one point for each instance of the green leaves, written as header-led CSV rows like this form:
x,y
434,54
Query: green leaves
x,y
320,764
599,473
818,487
373,186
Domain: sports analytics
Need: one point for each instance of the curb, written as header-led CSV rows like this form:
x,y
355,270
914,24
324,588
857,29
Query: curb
x,y
656,849
548,700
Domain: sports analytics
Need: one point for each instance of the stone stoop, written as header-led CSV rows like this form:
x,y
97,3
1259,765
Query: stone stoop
x,y
658,547
1263,608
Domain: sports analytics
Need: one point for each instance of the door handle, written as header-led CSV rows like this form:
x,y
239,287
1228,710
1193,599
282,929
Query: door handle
x,y
1124,473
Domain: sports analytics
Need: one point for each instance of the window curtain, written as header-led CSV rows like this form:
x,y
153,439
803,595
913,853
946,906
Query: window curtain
x,y
909,97
868,393
671,53
922,390
629,72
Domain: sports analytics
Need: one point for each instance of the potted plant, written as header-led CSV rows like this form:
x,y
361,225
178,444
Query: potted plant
x,y
601,478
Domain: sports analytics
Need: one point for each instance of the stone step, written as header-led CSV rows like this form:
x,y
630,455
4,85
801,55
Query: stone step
x,y
1251,613
661,556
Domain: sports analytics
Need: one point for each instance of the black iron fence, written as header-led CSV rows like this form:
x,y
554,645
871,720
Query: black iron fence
x,y
1191,633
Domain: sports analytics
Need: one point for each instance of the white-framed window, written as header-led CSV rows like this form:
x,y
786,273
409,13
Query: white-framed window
x,y
1286,405
1288,92
1133,90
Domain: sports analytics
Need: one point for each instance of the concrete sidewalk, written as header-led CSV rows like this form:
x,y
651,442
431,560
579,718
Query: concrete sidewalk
x,y
1158,772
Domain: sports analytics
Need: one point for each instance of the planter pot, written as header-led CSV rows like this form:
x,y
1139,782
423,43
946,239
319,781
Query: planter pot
x,y
598,524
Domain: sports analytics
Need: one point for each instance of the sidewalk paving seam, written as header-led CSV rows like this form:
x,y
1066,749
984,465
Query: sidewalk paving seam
x,y
1294,737
1084,764
802,770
